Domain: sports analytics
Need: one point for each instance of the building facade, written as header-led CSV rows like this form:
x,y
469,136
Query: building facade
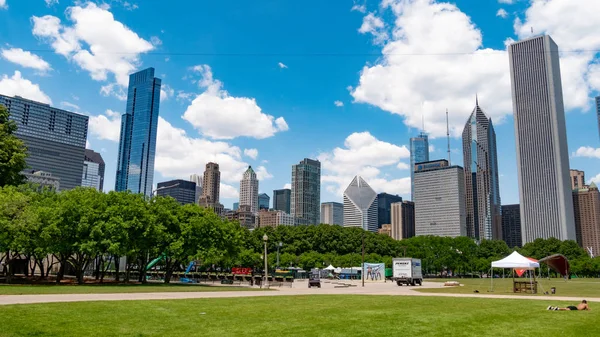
x,y
541,140
586,202
137,141
598,112
243,215
198,180
211,188
482,187
249,190
306,191
55,138
183,191
386,229
332,213
93,170
236,206
419,153
282,200
264,201
511,225
43,179
577,179
360,205
403,220
440,200
274,218
384,207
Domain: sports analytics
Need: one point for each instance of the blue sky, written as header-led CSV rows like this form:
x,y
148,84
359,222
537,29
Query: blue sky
x,y
268,83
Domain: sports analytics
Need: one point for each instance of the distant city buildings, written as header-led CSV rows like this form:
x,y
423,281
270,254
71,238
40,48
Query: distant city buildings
x,y
264,201
198,180
360,205
306,192
249,190
577,179
42,179
137,142
236,205
183,191
419,152
402,220
282,200
55,139
274,218
332,213
482,188
243,215
384,207
541,140
93,170
211,188
386,229
586,204
511,225
440,200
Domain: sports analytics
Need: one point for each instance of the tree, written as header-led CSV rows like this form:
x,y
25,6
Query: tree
x,y
12,152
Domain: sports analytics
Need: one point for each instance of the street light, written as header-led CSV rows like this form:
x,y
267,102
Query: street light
x,y
265,239
278,246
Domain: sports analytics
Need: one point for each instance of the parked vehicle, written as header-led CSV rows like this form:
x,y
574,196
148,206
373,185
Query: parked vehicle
x,y
407,271
314,281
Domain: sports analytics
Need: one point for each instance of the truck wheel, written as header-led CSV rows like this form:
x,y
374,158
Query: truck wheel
x,y
399,284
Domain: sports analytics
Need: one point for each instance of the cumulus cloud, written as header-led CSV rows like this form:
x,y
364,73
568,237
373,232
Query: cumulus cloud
x,y
19,86
595,179
588,152
3,4
106,126
359,8
251,153
68,105
403,166
287,186
228,191
262,173
502,13
166,92
219,115
338,103
156,41
508,2
375,26
51,3
25,59
364,155
281,65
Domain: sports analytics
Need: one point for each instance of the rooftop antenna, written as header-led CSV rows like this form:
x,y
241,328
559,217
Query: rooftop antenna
x,y
448,135
531,30
476,99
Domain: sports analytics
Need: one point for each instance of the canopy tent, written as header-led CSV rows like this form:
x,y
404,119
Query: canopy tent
x,y
520,272
558,263
330,268
338,270
516,260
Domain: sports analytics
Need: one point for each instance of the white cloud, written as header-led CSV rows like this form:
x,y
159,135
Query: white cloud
x,y
588,152
166,92
251,153
595,179
115,90
19,86
112,49
375,26
454,69
364,155
88,145
25,59
281,65
185,96
51,3
502,13
130,6
68,105
262,173
228,191
338,103
219,115
107,126
3,4
509,2
156,41
431,148
359,8
287,186
403,166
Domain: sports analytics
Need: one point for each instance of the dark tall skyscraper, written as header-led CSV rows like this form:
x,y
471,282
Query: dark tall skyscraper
x,y
281,200
263,201
419,153
384,208
306,192
137,144
482,189
598,113
55,138
511,225
181,190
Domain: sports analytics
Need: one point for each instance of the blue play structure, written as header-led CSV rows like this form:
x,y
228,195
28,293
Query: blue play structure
x,y
189,268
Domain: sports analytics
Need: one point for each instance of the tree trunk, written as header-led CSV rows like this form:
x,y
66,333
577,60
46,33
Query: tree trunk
x,y
107,264
40,263
168,270
99,259
117,262
61,270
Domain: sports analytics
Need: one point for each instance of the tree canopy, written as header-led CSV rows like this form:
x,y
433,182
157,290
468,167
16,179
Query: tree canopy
x,y
12,152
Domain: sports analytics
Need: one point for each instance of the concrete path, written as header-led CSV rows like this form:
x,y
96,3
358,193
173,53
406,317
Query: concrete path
x,y
300,288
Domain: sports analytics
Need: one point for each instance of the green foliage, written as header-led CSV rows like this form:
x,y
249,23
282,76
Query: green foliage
x,y
12,152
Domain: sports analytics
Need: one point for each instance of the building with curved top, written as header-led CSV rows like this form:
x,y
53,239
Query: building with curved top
x,y
360,205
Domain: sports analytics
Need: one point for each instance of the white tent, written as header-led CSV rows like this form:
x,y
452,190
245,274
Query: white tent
x,y
515,260
330,268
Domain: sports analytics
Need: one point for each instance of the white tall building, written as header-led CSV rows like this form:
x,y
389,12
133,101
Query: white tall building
x,y
198,180
541,140
249,190
360,205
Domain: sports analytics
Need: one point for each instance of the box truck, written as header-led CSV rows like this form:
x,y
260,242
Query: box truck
x,y
407,271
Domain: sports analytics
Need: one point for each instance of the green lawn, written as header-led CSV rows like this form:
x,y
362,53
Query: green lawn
x,y
347,315
575,287
112,288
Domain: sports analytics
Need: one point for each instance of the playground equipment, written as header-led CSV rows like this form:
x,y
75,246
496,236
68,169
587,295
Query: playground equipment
x,y
155,261
188,269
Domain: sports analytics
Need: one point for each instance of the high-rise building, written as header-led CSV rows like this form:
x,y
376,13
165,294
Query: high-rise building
x,y
282,200
541,140
249,190
598,112
332,213
211,188
440,200
236,206
419,153
93,170
137,142
306,191
55,138
403,220
264,201
243,215
577,179
198,180
386,229
482,188
511,225
183,191
384,207
360,205
586,202
274,218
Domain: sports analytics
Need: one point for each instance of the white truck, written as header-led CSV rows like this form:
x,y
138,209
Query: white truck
x,y
407,271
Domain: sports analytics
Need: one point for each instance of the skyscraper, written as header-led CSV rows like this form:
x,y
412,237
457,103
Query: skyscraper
x,y
93,170
541,140
360,205
249,190
402,220
332,213
210,191
55,139
384,207
306,191
137,142
264,201
586,202
598,112
511,225
577,179
181,190
482,190
419,152
282,200
198,180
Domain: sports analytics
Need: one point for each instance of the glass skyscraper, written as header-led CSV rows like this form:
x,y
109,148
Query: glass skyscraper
x,y
137,144
598,113
419,153
306,192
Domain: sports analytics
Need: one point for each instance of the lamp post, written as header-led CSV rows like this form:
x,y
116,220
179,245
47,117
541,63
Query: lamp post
x,y
278,246
265,239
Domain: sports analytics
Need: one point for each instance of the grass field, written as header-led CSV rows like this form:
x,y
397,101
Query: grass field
x,y
299,316
575,287
112,288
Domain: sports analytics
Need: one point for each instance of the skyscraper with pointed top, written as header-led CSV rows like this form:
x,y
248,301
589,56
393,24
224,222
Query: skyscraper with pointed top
x,y
249,190
482,189
360,205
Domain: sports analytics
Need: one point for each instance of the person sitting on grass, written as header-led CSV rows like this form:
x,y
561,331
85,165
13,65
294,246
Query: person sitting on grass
x,y
581,306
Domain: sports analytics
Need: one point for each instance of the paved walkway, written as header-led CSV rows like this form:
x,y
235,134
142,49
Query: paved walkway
x,y
299,288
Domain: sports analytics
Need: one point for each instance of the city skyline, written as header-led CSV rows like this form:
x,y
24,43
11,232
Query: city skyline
x,y
359,131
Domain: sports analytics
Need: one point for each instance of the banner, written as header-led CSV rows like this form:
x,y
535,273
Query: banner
x,y
241,271
374,272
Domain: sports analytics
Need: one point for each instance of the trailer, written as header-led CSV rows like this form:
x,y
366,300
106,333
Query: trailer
x,y
407,271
